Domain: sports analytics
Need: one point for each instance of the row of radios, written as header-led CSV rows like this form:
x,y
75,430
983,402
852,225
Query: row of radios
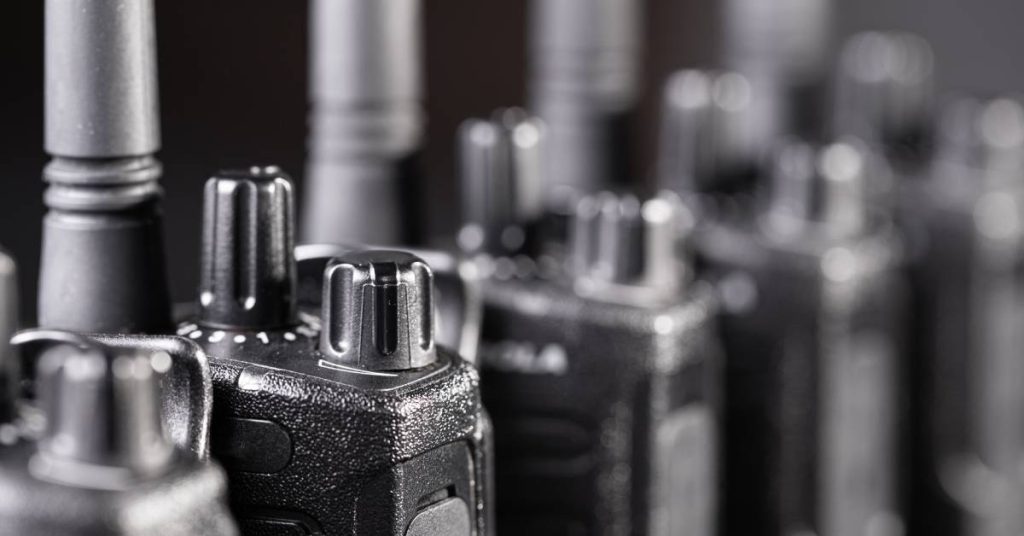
x,y
826,341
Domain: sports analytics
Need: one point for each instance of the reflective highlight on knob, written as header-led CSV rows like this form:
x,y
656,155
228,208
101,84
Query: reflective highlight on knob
x,y
378,311
248,261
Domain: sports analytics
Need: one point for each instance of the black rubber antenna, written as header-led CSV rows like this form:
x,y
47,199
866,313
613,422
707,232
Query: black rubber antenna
x,y
366,122
584,61
102,267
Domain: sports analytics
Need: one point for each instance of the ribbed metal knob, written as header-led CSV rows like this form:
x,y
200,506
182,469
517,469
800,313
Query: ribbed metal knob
x,y
248,261
884,92
705,145
983,134
825,188
502,187
102,407
378,311
617,241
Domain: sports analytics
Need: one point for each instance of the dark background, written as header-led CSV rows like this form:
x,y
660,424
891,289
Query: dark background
x,y
233,86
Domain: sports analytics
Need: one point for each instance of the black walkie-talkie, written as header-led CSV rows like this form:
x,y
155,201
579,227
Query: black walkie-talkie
x,y
811,303
600,381
883,95
349,422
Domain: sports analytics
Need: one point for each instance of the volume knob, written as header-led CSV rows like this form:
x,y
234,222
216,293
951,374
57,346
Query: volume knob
x,y
620,244
824,187
102,408
501,182
378,311
248,260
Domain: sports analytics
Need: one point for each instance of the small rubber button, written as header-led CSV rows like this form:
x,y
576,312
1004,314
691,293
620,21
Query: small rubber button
x,y
251,445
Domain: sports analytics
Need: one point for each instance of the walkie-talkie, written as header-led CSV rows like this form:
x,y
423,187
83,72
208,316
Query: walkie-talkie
x,y
584,58
884,95
102,266
969,270
366,122
599,381
810,322
352,421
105,463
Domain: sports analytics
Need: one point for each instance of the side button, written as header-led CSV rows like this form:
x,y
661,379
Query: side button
x,y
251,445
449,517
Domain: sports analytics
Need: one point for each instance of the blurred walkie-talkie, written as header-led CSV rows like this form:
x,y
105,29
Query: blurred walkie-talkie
x,y
363,177
105,464
810,325
782,48
884,95
352,421
599,380
102,266
584,58
968,401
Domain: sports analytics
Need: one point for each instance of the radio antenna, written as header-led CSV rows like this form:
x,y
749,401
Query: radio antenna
x,y
102,266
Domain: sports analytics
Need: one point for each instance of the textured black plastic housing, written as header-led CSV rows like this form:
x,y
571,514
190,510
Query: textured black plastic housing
x,y
312,446
810,328
604,414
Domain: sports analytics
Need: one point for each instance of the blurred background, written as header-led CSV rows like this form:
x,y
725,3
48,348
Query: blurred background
x,y
233,90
